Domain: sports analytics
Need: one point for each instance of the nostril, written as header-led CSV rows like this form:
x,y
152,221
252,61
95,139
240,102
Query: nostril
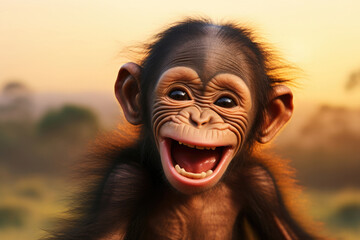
x,y
194,123
198,118
197,123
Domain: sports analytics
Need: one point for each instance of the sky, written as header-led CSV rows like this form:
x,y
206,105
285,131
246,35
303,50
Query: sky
x,y
78,46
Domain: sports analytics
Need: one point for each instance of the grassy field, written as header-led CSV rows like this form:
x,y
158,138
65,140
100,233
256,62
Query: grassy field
x,y
339,211
27,207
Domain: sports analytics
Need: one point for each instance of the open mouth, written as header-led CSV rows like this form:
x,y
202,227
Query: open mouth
x,y
194,161
196,164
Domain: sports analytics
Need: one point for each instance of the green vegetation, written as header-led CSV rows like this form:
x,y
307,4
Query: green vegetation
x,y
34,157
12,217
28,205
339,211
70,121
46,146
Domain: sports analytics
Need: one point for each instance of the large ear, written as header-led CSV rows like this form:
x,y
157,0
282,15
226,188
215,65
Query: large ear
x,y
278,112
127,91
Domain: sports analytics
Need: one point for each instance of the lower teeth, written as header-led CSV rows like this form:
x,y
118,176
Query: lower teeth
x,y
183,172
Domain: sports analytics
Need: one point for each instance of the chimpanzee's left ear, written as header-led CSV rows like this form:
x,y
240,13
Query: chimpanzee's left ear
x,y
278,112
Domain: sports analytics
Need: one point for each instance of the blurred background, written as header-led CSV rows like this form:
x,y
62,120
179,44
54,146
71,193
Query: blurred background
x,y
59,61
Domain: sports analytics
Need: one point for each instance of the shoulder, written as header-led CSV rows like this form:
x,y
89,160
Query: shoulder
x,y
269,173
263,176
126,185
125,189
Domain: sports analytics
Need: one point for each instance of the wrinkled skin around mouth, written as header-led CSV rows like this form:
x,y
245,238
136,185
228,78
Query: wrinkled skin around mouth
x,y
192,162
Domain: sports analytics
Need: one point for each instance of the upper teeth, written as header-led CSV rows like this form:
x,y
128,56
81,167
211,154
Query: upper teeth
x,y
197,147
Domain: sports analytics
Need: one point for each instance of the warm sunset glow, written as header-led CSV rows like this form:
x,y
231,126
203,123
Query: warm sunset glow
x,y
59,60
74,45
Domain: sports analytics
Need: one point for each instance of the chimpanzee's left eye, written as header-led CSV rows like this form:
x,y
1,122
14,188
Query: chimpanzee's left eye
x,y
225,102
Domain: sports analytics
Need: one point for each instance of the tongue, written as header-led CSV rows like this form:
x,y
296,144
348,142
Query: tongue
x,y
195,160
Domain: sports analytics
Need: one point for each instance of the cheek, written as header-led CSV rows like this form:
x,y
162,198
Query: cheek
x,y
241,120
165,109
239,125
244,119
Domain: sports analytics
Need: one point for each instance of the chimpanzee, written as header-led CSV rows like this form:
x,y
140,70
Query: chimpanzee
x,y
199,104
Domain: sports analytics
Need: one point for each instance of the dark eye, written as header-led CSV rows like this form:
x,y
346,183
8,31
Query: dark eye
x,y
225,102
179,95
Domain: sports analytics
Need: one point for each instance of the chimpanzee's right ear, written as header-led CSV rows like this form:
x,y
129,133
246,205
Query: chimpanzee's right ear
x,y
127,91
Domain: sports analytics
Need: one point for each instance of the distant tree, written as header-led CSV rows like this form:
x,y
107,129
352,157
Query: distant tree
x,y
69,122
15,102
17,145
353,81
16,123
62,136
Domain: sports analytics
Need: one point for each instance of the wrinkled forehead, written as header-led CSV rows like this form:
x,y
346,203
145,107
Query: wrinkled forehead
x,y
210,56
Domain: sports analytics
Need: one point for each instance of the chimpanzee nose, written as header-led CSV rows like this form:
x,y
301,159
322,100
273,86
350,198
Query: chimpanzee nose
x,y
199,117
